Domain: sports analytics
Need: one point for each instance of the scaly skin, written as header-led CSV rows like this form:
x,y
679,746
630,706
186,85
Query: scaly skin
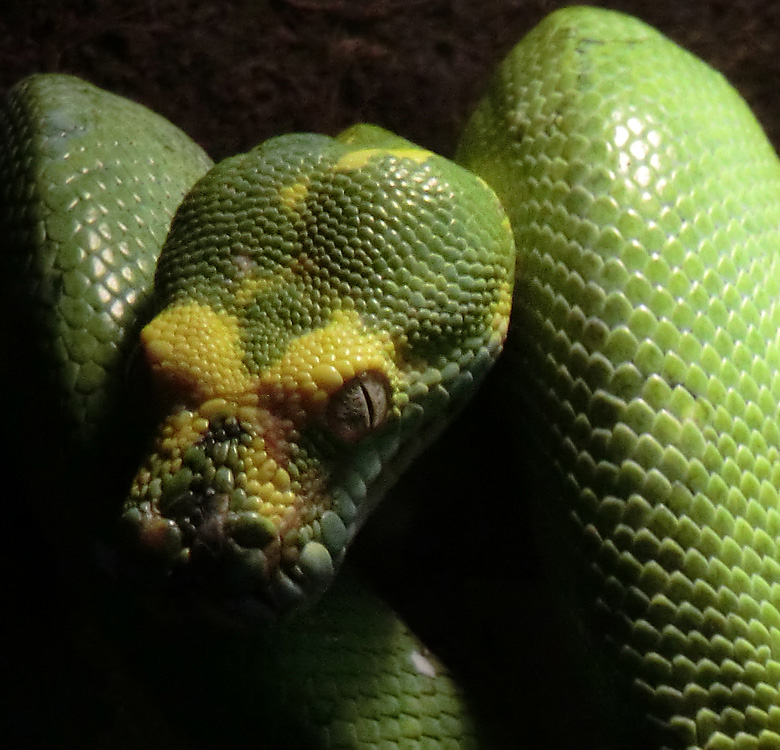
x,y
645,202
88,188
323,305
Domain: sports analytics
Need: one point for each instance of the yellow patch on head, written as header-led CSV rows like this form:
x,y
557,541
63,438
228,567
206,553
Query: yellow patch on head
x,y
197,352
318,363
361,157
265,485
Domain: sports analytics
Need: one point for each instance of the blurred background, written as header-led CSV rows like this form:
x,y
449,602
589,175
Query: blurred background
x,y
235,72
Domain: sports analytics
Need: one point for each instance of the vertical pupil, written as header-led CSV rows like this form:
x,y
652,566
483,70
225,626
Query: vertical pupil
x,y
369,404
359,407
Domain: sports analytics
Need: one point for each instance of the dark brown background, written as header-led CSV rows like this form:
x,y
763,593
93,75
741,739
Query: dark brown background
x,y
232,73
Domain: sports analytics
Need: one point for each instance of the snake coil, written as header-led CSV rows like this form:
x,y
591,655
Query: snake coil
x,y
322,307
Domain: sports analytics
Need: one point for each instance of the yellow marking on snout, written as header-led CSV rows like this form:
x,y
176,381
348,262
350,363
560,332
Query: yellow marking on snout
x,y
358,159
196,352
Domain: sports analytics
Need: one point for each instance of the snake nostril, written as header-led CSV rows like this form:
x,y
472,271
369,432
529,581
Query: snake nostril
x,y
200,516
208,525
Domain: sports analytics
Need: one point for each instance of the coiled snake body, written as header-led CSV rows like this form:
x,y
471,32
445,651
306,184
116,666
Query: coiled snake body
x,y
322,306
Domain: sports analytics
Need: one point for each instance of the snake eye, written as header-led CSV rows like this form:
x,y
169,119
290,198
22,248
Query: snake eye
x,y
359,406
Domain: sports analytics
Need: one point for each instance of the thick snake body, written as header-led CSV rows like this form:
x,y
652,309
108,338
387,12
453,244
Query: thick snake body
x,y
644,201
321,307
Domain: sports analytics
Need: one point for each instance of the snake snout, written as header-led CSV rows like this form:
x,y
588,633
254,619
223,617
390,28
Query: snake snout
x,y
218,513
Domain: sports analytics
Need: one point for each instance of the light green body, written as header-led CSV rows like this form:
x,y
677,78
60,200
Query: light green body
x,y
645,205
645,202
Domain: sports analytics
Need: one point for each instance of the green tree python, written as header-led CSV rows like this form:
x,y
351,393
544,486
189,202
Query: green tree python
x,y
322,306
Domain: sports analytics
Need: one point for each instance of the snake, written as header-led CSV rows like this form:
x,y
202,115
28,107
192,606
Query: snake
x,y
273,339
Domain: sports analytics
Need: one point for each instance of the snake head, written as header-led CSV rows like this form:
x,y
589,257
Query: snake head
x,y
325,305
